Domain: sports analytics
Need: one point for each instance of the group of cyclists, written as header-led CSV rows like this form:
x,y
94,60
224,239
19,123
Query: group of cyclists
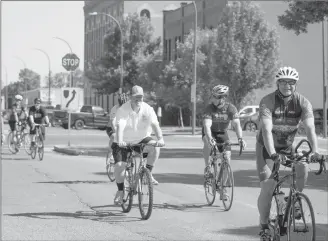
x,y
133,121
19,118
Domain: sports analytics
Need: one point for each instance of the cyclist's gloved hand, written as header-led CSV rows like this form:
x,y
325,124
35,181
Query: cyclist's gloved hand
x,y
315,157
242,143
212,142
277,158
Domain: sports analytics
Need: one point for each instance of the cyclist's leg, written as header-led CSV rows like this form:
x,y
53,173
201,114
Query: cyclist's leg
x,y
226,155
12,125
153,154
32,134
120,156
264,166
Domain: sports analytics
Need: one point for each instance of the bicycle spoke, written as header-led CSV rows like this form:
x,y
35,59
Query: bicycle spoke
x,y
210,185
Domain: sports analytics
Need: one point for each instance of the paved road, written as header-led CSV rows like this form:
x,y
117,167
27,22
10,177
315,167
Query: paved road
x,y
70,198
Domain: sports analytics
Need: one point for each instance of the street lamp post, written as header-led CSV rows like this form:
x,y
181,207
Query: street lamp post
x,y
122,47
70,49
49,74
193,90
325,74
24,77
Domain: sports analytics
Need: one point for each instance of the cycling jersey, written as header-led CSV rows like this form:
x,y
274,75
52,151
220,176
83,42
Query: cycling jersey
x,y
285,117
15,109
220,117
38,114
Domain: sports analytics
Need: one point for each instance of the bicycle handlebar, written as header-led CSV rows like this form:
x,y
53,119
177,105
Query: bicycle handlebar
x,y
228,143
305,154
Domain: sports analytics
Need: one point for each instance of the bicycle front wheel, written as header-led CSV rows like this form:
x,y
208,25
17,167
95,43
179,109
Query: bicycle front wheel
x,y
210,184
128,191
145,187
110,167
40,144
11,143
27,143
227,186
301,220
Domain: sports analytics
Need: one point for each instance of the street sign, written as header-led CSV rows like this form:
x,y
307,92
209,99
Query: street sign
x,y
70,62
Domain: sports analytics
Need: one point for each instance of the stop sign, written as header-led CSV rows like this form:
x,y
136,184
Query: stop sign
x,y
70,62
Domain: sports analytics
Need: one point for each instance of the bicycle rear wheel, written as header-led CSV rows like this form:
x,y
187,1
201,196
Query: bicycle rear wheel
x,y
145,180
110,167
27,143
11,143
301,223
128,191
39,142
227,186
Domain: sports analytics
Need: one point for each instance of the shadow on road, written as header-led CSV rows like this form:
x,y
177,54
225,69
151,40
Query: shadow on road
x,y
194,153
15,158
75,182
108,216
189,207
253,231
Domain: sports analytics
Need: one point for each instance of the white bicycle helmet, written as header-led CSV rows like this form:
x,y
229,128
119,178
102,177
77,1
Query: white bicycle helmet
x,y
220,90
18,97
287,73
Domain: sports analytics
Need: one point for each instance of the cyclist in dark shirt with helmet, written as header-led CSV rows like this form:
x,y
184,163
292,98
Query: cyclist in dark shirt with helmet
x,y
36,116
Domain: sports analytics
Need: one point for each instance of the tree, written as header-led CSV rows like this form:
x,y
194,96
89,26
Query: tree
x,y
105,73
63,79
302,13
31,78
247,52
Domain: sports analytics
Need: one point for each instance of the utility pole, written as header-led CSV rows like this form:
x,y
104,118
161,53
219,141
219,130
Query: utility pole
x,y
325,74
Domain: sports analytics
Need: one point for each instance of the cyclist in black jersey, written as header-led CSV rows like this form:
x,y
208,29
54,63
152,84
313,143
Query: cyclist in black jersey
x,y
280,115
216,119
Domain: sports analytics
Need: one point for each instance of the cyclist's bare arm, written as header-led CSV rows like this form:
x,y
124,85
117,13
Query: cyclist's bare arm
x,y
236,125
310,133
47,120
266,124
157,130
207,128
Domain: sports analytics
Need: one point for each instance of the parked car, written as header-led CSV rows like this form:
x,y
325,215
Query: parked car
x,y
249,110
249,117
89,115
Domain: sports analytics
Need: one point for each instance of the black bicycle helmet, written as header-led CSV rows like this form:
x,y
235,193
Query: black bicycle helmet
x,y
37,100
122,98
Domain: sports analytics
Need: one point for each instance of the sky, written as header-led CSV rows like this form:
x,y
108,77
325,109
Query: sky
x,y
33,24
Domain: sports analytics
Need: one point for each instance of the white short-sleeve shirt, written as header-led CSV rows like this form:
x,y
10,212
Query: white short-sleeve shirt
x,y
136,126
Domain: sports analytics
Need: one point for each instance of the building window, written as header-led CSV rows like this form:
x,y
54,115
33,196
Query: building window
x,y
169,49
145,12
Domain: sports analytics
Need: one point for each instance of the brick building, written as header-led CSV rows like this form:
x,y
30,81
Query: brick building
x,y
178,23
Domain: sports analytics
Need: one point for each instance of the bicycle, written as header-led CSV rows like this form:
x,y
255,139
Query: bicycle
x,y
39,145
21,137
214,179
135,176
110,166
283,211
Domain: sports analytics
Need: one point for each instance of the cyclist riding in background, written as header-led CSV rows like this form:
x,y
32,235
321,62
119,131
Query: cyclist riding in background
x,y
23,118
15,112
216,119
135,121
36,115
111,127
280,115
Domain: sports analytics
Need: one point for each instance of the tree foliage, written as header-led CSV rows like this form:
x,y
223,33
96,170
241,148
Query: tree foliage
x,y
63,79
302,13
247,52
105,72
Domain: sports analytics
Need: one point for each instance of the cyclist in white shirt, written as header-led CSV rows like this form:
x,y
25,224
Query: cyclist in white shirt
x,y
135,122
111,127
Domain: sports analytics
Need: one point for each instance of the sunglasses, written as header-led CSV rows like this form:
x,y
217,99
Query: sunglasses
x,y
285,82
220,97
